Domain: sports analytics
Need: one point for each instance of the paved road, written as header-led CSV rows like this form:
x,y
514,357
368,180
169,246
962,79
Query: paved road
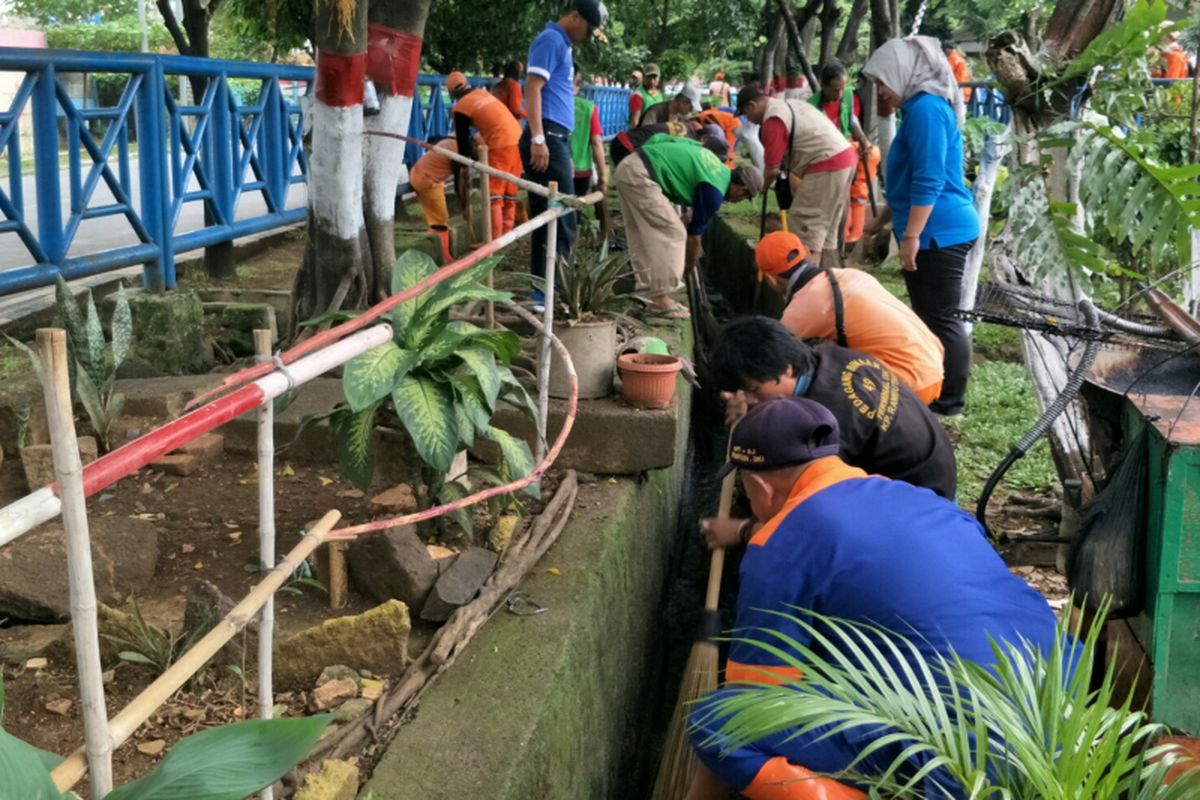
x,y
106,233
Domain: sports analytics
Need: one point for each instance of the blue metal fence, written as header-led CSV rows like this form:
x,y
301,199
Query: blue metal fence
x,y
229,144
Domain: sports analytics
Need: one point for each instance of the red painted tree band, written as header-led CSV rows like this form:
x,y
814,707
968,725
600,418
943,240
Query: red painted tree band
x,y
393,58
340,79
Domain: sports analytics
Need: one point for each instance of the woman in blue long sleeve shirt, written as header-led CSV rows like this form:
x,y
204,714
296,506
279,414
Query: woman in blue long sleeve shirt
x,y
933,213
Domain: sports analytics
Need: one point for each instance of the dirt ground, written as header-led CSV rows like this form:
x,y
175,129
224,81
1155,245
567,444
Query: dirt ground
x,y
199,539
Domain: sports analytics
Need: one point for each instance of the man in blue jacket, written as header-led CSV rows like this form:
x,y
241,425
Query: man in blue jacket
x,y
827,538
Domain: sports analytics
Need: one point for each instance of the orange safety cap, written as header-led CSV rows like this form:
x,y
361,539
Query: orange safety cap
x,y
456,82
778,252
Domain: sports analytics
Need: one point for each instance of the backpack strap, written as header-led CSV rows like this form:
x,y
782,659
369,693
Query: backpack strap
x,y
839,309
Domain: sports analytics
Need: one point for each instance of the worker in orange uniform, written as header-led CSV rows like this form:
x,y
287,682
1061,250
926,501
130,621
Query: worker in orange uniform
x,y
850,307
958,65
1172,61
730,125
500,132
844,109
428,179
508,89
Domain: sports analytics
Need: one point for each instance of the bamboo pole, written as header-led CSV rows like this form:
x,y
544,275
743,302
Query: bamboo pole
x,y
548,322
68,469
130,718
533,188
486,193
266,539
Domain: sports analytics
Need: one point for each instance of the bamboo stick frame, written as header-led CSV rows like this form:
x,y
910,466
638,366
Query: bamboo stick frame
x,y
130,718
68,468
485,191
548,322
266,540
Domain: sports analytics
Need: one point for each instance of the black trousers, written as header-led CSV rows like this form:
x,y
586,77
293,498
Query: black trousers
x,y
559,169
935,290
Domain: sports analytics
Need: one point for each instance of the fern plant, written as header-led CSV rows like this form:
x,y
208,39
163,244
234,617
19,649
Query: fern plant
x,y
442,378
1028,728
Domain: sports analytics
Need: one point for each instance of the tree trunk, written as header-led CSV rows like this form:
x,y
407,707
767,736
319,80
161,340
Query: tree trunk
x,y
766,71
847,48
1073,25
336,272
882,25
995,149
830,14
393,58
800,45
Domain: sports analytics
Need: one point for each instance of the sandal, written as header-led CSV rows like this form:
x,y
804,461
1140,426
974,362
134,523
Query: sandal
x,y
673,311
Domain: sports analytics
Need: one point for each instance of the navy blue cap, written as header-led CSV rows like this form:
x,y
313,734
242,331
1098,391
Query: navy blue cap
x,y
780,433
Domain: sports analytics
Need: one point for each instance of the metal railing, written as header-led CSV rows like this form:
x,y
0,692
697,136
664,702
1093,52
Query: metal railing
x,y
176,175
213,153
252,390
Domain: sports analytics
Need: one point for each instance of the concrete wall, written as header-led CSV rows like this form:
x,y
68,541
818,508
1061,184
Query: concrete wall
x,y
729,269
555,705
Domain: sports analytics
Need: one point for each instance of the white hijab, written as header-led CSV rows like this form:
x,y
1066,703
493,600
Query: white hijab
x,y
916,64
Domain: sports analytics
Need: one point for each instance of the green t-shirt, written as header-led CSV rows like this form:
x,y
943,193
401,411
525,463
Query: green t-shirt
x,y
649,98
581,136
680,165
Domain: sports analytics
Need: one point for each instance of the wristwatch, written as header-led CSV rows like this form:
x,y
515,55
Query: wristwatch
x,y
539,139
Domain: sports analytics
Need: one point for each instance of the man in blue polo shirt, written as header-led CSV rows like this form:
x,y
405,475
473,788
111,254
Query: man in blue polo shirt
x,y
828,538
550,105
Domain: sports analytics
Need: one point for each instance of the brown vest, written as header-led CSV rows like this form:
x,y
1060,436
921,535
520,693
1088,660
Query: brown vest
x,y
814,137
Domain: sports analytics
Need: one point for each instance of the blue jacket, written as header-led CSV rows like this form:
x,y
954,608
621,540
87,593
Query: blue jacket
x,y
925,167
873,550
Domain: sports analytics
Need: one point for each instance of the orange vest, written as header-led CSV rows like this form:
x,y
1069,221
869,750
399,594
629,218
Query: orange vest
x,y
490,117
728,123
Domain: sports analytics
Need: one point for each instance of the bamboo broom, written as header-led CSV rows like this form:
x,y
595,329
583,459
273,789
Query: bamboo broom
x,y
699,676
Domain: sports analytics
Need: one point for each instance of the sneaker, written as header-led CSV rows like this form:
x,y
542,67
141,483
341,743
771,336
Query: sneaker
x,y
539,301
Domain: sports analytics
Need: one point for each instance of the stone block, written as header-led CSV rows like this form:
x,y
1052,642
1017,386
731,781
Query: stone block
x,y
397,500
376,640
38,461
169,332
502,532
207,447
393,564
33,569
21,643
332,694
335,780
238,321
339,672
459,583
182,464
165,405
22,414
279,299
352,709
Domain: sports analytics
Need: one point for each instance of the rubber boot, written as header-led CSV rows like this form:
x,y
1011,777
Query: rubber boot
x,y
497,209
779,779
444,235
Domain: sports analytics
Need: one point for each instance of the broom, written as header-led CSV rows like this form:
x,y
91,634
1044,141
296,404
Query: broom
x,y
699,676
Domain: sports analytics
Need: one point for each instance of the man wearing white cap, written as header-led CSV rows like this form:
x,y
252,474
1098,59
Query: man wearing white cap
x,y
682,105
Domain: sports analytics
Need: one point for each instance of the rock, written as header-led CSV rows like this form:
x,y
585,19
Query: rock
x,y
38,461
500,536
335,780
376,640
164,405
238,321
331,694
459,583
59,706
397,500
352,709
182,464
391,564
21,643
33,569
442,556
169,332
41,662
372,689
207,447
339,672
154,747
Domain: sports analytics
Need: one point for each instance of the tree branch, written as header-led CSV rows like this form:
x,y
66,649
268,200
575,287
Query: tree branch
x,y
168,15
848,46
793,29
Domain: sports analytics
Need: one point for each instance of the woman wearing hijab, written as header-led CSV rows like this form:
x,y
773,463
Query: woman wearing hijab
x,y
933,213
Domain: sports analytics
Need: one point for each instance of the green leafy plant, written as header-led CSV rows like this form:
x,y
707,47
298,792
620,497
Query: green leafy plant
x,y
94,361
587,284
145,643
224,763
1029,728
443,380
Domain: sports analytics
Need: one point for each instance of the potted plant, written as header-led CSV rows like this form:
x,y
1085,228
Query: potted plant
x,y
586,290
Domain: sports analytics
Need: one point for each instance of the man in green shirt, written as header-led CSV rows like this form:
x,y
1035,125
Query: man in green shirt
x,y
587,145
644,96
665,172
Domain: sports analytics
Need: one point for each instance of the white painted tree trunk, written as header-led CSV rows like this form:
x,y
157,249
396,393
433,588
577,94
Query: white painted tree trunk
x,y
384,170
995,149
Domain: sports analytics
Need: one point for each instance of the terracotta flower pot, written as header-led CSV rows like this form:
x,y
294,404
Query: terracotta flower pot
x,y
648,381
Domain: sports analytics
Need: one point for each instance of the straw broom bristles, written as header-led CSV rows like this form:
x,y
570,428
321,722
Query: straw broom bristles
x,y
699,677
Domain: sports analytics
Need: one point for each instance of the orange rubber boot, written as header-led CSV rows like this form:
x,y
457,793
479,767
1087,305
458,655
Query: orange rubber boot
x,y
510,213
779,779
444,235
497,209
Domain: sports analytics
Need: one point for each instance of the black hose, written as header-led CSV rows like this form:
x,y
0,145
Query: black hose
x,y
1064,399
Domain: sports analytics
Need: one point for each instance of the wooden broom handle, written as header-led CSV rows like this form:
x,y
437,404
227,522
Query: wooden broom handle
x,y
717,565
